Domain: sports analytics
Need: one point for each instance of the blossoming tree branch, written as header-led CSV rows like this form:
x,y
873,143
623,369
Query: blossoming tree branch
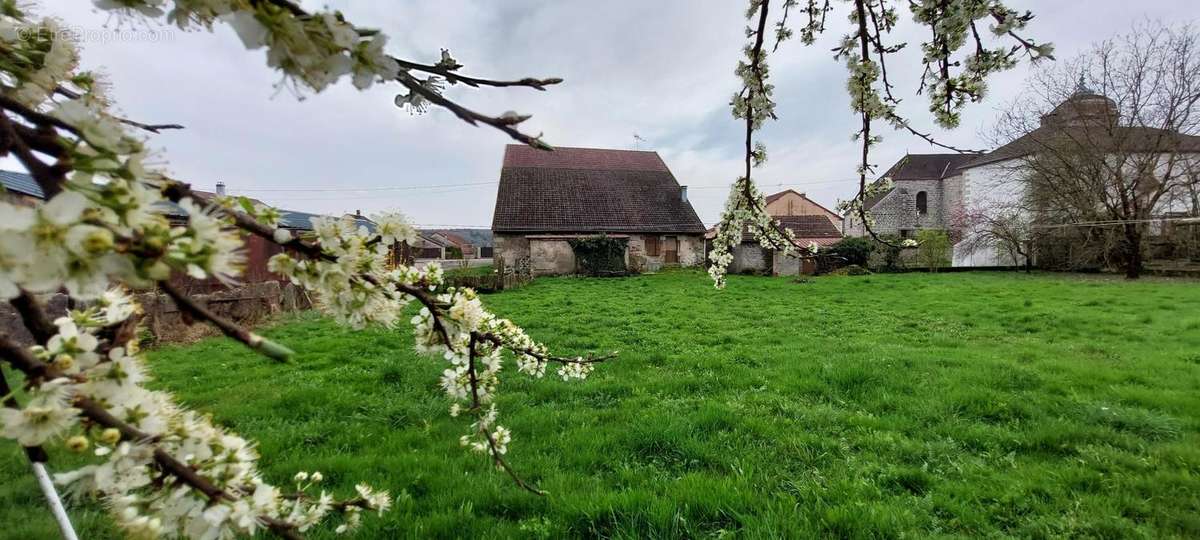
x,y
161,468
956,59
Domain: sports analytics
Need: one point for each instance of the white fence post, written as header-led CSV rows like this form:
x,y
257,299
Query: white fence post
x,y
56,507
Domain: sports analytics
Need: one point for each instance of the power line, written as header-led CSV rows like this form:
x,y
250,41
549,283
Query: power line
x,y
397,188
495,182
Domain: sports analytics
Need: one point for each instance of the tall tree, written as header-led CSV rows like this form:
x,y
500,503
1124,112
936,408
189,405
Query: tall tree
x,y
1109,143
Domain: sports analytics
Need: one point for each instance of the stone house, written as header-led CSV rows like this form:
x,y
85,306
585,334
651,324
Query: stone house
x,y
926,189
935,191
546,199
809,221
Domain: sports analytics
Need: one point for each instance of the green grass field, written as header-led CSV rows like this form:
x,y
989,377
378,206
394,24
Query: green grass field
x,y
919,405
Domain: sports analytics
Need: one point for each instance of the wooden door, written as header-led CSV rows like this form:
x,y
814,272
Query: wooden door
x,y
670,250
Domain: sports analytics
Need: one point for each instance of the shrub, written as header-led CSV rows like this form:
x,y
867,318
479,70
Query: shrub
x,y
933,249
886,258
852,270
855,250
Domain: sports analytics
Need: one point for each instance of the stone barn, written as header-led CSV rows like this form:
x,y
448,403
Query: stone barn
x,y
545,199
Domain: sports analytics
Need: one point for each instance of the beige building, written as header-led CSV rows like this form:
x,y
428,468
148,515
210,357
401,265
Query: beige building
x,y
791,203
809,221
546,199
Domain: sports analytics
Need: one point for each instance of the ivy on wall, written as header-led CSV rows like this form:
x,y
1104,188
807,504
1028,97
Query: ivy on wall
x,y
600,255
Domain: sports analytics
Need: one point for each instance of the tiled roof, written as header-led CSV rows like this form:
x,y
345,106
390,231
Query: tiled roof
x,y
599,159
21,183
810,226
927,166
584,190
454,238
805,228
1124,138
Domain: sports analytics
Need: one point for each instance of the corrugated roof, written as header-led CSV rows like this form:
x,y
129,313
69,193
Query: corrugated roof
x,y
21,183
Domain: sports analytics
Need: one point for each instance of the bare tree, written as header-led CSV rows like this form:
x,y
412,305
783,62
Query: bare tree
x,y
1107,144
1003,228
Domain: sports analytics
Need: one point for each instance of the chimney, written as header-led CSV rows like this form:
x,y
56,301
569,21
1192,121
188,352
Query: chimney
x,y
358,213
220,189
683,193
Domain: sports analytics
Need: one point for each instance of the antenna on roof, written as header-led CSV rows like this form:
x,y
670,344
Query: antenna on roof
x,y
637,141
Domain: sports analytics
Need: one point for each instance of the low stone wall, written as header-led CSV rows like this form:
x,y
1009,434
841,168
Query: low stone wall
x,y
248,305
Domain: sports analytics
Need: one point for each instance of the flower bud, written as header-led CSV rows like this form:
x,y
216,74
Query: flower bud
x,y
77,443
63,362
110,436
316,477
158,271
98,241
300,476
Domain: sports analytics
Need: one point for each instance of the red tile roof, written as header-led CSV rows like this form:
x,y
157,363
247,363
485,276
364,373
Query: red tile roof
x,y
810,226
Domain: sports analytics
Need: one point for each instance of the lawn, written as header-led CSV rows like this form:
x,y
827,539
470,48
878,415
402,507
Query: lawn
x,y
920,405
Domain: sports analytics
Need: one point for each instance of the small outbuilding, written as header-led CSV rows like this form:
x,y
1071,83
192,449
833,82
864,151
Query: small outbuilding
x,y
545,199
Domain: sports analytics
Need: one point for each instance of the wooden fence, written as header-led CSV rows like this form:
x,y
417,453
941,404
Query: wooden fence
x,y
502,277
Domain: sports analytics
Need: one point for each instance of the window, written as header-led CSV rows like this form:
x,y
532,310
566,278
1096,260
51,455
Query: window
x,y
922,203
905,233
651,246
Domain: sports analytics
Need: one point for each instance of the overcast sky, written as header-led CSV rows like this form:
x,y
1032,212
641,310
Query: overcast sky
x,y
661,69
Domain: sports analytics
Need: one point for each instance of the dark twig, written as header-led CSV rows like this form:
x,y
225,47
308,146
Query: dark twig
x,y
231,329
152,128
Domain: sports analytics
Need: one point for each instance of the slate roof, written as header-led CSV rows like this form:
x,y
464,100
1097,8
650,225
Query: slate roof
x,y
921,167
590,190
1126,138
927,166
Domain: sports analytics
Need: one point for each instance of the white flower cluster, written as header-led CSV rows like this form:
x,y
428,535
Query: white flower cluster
x,y
90,371
742,213
107,223
354,284
166,470
314,50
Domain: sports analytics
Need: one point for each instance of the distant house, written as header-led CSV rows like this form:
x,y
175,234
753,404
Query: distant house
x,y
547,198
791,203
808,220
429,247
457,246
20,188
810,223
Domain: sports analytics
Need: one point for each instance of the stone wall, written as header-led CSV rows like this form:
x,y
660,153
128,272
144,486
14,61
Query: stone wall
x,y
897,211
552,254
750,257
248,305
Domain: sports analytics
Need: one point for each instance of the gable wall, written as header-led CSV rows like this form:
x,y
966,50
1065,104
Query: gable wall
x,y
792,204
